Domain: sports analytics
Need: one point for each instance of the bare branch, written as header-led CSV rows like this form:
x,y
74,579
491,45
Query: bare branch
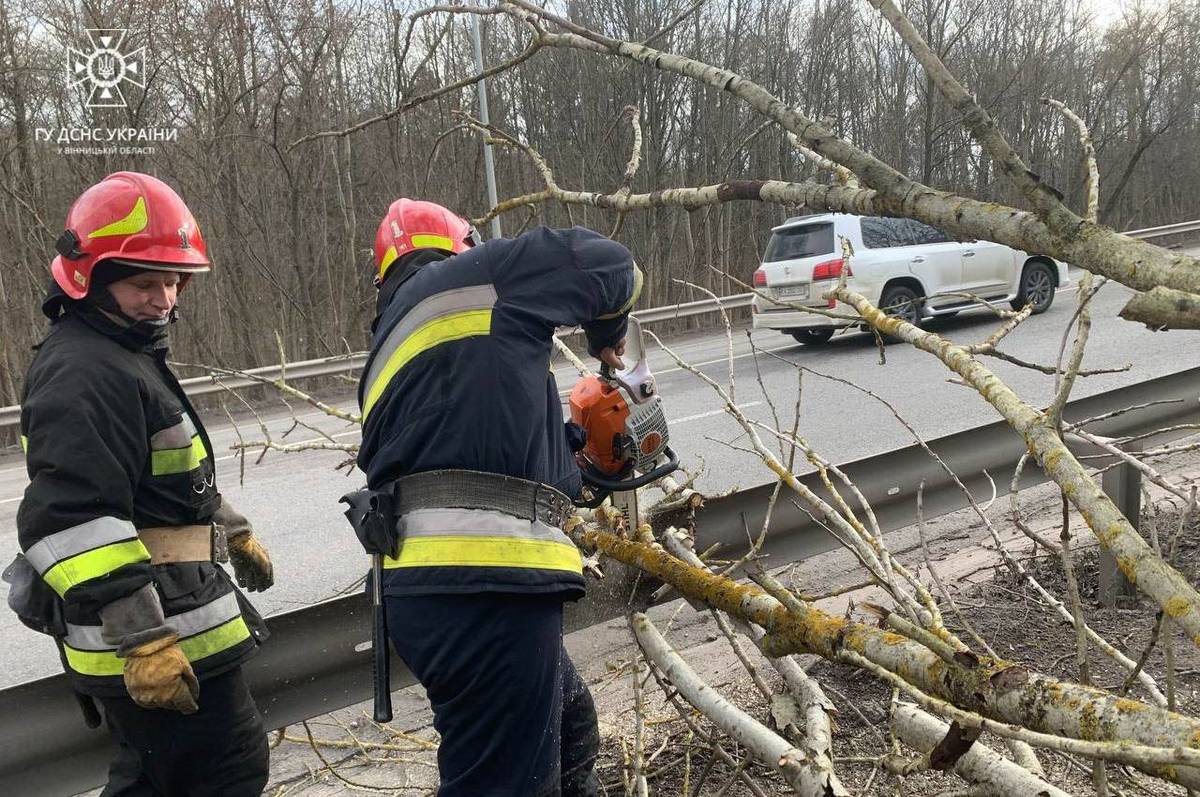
x,y
1089,157
1162,308
1135,558
535,44
1137,264
797,769
1046,202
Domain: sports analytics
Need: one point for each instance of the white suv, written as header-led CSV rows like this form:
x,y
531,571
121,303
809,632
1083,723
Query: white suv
x,y
904,267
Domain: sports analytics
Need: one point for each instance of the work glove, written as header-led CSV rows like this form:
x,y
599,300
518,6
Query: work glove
x,y
158,675
251,563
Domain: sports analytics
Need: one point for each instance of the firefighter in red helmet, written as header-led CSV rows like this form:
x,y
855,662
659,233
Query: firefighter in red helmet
x,y
122,527
413,225
469,480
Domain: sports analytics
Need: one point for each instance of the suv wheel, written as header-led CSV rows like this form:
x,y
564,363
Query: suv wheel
x,y
1038,283
812,337
900,301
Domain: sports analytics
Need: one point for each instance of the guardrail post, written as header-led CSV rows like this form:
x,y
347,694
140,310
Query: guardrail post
x,y
1123,484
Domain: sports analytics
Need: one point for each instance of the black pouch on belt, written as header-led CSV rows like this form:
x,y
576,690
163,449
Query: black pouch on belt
x,y
32,599
372,513
37,606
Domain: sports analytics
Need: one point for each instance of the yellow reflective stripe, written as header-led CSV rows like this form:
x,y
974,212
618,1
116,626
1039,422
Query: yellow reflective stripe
x,y
178,460
438,305
215,640
134,222
94,662
454,326
638,279
389,257
24,444
93,564
432,242
471,551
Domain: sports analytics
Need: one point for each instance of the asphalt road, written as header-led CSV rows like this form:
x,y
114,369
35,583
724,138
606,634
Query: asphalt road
x,y
292,499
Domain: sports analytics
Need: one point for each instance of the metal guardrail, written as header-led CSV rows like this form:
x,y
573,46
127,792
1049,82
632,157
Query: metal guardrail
x,y
700,307
206,385
350,363
316,662
1167,229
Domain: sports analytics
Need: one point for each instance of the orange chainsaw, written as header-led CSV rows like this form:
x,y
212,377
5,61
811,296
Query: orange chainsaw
x,y
624,445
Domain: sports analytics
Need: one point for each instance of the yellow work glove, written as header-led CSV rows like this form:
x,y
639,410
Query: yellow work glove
x,y
250,561
158,675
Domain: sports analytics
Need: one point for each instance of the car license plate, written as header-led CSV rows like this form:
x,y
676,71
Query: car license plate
x,y
792,292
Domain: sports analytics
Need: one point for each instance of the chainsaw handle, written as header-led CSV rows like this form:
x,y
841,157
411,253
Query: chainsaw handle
x,y
596,479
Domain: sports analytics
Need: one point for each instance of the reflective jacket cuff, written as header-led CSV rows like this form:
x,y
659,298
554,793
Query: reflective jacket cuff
x,y
134,641
134,620
234,522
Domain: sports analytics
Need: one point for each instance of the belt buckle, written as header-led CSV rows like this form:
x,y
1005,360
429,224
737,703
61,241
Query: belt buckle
x,y
549,505
220,544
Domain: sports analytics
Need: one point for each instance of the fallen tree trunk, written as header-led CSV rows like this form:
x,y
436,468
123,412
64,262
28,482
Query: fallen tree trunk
x,y
996,689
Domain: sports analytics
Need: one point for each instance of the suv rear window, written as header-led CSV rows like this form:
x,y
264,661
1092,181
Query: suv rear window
x,y
807,240
881,233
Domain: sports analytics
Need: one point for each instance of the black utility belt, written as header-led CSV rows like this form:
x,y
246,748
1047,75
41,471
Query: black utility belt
x,y
471,489
373,513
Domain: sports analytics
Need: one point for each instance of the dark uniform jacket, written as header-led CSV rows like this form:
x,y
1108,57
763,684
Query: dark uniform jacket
x,y
459,377
113,445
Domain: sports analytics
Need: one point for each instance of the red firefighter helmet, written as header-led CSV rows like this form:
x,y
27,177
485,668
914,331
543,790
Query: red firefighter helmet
x,y
412,224
129,217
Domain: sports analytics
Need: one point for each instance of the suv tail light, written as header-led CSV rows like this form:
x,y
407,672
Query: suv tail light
x,y
760,279
830,270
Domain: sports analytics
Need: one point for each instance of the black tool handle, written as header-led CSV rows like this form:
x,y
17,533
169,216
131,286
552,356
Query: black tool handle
x,y
381,670
595,478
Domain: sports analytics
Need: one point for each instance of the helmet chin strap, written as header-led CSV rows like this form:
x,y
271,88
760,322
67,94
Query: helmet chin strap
x,y
151,329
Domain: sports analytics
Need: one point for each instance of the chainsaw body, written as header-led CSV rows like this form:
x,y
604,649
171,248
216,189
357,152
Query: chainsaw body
x,y
626,428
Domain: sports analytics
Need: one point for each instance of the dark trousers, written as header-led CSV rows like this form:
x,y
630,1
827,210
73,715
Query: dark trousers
x,y
220,751
515,718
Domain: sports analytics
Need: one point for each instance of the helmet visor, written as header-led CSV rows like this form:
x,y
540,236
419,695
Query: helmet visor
x,y
182,268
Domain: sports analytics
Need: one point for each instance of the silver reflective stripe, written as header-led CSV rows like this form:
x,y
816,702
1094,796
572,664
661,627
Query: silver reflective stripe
x,y
473,297
186,624
177,436
51,550
202,618
476,523
87,637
